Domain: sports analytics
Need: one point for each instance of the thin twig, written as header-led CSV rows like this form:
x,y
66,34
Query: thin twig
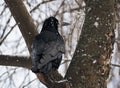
x,y
3,10
66,61
29,83
4,29
44,2
59,8
7,34
116,65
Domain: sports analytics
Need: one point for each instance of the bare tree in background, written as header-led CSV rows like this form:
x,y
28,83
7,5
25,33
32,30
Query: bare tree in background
x,y
90,65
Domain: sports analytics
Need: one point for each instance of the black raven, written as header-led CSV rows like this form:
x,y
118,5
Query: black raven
x,y
47,48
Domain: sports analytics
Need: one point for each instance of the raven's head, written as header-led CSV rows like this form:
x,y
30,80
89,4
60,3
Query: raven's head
x,y
50,24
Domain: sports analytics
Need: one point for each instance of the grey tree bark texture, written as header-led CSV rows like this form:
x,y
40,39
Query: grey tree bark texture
x,y
89,67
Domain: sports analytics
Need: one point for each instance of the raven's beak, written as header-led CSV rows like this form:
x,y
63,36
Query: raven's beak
x,y
65,24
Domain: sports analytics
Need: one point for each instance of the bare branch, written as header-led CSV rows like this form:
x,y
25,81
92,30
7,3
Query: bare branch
x,y
116,65
59,8
23,19
4,29
29,83
44,2
3,10
15,61
2,40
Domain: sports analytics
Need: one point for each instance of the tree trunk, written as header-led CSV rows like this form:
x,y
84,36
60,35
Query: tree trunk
x,y
89,67
23,19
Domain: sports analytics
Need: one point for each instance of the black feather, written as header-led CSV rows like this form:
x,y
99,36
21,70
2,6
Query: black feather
x,y
47,48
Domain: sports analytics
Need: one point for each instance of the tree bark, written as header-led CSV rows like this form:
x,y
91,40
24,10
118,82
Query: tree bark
x,y
89,67
18,61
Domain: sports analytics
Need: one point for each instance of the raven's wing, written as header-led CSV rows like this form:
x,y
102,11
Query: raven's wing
x,y
52,50
47,50
37,49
